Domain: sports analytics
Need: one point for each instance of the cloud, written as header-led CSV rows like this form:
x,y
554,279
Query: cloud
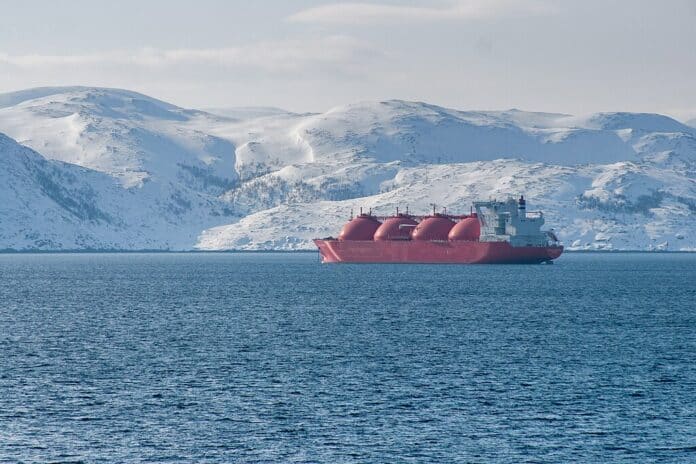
x,y
337,53
371,13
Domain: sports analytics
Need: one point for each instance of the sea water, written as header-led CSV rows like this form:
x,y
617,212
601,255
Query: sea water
x,y
278,358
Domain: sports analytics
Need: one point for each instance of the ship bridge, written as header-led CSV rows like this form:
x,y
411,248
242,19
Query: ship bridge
x,y
509,221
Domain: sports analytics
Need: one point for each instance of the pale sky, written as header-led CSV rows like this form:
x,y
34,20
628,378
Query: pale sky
x,y
308,55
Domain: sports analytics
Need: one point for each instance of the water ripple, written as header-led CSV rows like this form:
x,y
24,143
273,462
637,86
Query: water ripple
x,y
276,358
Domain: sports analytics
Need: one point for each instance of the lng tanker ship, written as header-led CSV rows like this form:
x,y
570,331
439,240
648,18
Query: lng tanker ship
x,y
497,232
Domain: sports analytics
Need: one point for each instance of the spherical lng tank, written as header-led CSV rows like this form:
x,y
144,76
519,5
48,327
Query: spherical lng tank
x,y
396,228
433,228
467,229
362,227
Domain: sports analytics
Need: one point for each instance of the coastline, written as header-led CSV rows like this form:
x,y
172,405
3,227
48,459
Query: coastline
x,y
157,251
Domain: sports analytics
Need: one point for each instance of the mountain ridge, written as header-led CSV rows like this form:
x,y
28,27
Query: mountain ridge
x,y
195,180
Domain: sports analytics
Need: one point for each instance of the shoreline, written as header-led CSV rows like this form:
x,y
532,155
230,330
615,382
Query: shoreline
x,y
147,251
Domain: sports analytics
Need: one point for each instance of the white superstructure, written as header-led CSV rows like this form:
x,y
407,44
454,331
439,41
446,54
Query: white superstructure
x,y
509,221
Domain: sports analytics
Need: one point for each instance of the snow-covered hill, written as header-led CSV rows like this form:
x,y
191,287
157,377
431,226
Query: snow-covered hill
x,y
124,134
53,205
153,181
167,177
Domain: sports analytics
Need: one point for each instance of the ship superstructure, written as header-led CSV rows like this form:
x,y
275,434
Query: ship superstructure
x,y
498,232
509,221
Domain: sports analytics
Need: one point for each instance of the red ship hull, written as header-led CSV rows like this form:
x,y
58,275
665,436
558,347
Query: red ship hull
x,y
453,252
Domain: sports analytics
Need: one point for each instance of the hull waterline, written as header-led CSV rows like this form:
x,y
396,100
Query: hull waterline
x,y
452,252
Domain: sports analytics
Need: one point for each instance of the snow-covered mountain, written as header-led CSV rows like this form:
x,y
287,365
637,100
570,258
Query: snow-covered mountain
x,y
129,136
116,170
106,168
53,205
